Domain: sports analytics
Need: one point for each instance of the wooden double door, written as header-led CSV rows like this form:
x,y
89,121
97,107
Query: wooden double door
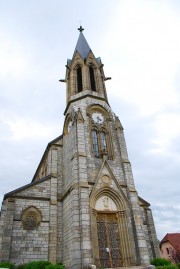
x,y
109,240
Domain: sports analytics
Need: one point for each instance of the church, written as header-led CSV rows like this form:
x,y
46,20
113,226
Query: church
x,y
81,207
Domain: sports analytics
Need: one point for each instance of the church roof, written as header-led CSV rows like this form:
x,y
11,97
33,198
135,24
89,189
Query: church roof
x,y
174,239
82,46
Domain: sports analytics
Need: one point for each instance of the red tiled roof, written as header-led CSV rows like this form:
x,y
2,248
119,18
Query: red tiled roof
x,y
174,239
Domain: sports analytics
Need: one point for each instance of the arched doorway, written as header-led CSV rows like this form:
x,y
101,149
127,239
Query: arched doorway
x,y
109,240
108,233
113,244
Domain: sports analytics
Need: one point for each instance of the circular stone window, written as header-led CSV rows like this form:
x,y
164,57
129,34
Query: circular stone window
x,y
31,218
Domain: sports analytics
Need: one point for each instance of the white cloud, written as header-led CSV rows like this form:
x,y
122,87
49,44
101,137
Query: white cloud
x,y
145,33
13,59
167,128
26,128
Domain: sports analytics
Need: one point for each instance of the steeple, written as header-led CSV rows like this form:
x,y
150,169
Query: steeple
x,y
84,73
82,46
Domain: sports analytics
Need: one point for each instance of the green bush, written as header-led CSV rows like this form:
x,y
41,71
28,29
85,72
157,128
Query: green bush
x,y
20,266
171,266
7,265
55,266
36,265
160,262
178,265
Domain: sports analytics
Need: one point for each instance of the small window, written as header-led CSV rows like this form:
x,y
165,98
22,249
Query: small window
x,y
99,143
95,143
79,79
92,78
167,250
103,141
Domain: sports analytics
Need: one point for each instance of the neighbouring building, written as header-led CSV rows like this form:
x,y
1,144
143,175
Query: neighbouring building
x,y
170,247
81,207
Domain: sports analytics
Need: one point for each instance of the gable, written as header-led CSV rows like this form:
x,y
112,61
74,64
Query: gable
x,y
36,189
107,186
42,169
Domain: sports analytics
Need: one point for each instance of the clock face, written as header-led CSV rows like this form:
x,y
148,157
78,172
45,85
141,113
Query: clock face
x,y
69,126
97,117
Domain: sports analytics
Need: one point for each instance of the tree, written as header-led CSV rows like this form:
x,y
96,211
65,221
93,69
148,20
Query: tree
x,y
174,255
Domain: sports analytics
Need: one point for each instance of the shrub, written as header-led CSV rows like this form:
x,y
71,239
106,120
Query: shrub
x,y
7,265
36,265
55,266
178,265
20,266
171,266
160,262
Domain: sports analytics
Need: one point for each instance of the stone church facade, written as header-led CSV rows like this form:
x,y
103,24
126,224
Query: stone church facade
x,y
82,206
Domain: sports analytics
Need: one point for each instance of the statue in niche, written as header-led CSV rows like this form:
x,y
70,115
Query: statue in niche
x,y
105,201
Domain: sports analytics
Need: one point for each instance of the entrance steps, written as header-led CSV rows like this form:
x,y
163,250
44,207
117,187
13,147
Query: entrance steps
x,y
130,267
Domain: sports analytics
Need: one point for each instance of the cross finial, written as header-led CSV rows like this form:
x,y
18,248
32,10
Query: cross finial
x,y
80,29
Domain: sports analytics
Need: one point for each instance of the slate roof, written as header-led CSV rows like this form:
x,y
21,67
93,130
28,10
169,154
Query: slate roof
x,y
173,239
82,46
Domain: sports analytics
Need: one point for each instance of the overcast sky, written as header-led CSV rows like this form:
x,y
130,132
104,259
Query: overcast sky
x,y
139,44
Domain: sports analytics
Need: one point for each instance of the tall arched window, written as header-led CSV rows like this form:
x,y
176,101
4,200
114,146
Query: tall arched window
x,y
100,134
103,141
92,78
95,143
99,143
79,79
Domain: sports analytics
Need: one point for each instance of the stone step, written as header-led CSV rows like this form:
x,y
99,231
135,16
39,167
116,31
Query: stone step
x,y
130,267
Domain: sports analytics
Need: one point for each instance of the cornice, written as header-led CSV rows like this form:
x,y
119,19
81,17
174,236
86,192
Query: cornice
x,y
83,97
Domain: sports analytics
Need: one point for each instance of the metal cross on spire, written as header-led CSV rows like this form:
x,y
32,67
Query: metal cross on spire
x,y
80,29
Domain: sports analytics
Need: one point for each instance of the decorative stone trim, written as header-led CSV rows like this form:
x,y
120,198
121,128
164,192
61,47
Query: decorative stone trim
x,y
79,116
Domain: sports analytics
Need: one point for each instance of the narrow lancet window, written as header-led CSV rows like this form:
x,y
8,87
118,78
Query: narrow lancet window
x,y
79,79
95,143
92,78
103,141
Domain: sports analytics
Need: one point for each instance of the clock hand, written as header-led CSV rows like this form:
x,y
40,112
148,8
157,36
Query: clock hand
x,y
99,119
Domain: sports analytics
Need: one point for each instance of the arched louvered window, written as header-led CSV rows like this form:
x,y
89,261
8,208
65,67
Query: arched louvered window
x,y
92,78
79,79
95,143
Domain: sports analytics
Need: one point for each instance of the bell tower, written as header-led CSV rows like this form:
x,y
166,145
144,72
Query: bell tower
x,y
84,73
111,226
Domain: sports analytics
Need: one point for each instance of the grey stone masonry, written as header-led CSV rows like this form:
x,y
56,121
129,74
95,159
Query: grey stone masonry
x,y
7,230
82,207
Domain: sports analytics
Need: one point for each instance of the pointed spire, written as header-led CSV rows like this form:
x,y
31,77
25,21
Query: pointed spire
x,y
82,46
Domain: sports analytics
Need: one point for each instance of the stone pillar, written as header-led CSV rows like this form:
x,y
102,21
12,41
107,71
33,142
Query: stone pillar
x,y
127,245
152,234
7,229
121,139
53,221
139,236
83,194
